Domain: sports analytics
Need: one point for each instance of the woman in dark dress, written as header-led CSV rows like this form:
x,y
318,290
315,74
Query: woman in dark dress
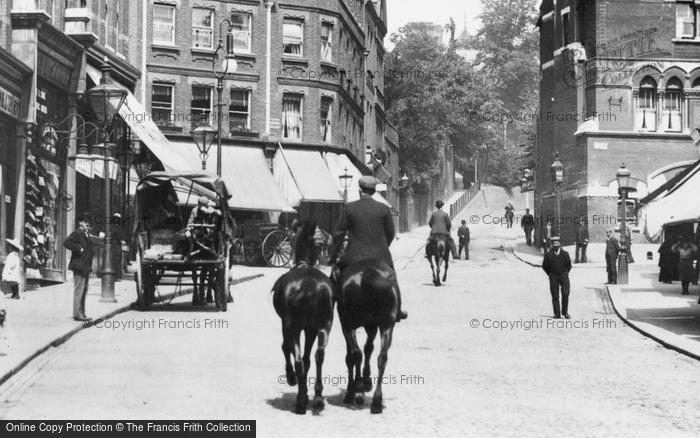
x,y
686,252
666,265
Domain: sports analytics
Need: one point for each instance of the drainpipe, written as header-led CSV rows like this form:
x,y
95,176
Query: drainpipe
x,y
144,51
268,66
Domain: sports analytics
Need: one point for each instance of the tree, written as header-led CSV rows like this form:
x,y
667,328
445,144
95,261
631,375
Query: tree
x,y
507,61
431,97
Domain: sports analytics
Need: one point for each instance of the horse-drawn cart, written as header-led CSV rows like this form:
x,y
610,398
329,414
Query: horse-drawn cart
x,y
264,242
170,251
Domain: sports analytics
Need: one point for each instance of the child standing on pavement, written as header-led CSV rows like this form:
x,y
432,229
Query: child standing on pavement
x,y
11,272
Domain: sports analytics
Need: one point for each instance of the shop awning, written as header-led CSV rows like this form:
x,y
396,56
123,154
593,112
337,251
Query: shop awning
x,y
141,123
337,163
304,176
245,172
680,204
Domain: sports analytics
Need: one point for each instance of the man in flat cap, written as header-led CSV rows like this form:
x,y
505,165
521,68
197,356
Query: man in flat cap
x,y
371,231
557,265
440,225
79,244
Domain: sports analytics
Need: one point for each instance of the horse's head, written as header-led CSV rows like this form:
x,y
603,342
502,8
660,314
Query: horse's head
x,y
305,247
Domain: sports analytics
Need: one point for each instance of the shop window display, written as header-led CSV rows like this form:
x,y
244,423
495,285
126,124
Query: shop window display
x,y
41,214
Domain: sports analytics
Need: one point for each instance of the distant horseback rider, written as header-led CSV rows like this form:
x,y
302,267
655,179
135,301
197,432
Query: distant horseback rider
x,y
370,227
440,225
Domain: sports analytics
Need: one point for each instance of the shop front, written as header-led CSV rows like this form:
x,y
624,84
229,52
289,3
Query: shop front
x,y
12,89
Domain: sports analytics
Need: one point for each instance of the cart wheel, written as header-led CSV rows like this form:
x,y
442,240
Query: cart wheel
x,y
251,253
277,249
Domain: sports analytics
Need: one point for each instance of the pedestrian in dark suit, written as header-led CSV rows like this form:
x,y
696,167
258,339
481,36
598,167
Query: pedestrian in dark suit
x,y
581,242
371,230
463,235
80,245
528,224
557,265
612,249
547,232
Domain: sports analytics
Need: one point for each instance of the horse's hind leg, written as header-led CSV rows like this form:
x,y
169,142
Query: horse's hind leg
x,y
437,277
432,269
386,336
353,358
320,355
447,265
303,394
288,351
366,383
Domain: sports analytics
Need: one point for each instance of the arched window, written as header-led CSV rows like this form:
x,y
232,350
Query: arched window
x,y
673,105
645,117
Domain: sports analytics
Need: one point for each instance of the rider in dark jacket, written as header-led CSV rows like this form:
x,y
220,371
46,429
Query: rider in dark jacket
x,y
370,227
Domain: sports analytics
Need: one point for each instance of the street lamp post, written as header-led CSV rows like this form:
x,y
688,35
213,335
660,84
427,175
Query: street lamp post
x,y
623,176
345,180
203,137
228,64
557,178
105,99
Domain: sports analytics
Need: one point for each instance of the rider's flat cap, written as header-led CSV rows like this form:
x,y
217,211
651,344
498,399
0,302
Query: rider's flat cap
x,y
368,182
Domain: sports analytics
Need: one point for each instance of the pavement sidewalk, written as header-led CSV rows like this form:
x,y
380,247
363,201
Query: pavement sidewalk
x,y
659,311
43,318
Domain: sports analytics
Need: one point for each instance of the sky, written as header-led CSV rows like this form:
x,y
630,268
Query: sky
x,y
400,12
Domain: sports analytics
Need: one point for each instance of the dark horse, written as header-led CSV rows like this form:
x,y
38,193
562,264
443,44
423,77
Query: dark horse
x,y
303,299
438,250
367,296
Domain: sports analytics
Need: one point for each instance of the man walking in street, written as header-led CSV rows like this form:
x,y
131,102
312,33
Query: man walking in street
x,y
556,265
440,225
581,242
528,224
547,236
371,229
463,235
80,245
612,249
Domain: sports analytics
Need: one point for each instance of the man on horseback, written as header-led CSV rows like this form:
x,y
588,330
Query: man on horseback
x,y
440,225
371,230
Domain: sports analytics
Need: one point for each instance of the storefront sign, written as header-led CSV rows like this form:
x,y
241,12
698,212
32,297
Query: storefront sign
x,y
53,71
9,103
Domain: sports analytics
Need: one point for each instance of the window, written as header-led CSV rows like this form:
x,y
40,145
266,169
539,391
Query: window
x,y
326,116
327,42
645,115
672,118
291,116
565,29
162,104
201,105
686,20
239,110
163,24
241,32
293,37
202,28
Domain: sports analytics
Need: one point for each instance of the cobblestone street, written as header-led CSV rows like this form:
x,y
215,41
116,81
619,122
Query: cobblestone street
x,y
477,356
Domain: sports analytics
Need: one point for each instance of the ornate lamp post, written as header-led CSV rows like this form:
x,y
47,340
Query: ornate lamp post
x,y
623,176
345,180
203,137
222,63
557,178
105,99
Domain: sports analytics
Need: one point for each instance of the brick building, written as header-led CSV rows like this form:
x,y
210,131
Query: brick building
x,y
620,83
317,69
